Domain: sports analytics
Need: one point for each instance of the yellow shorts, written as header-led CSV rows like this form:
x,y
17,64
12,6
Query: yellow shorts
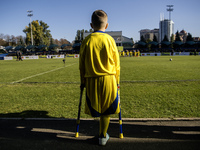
x,y
101,96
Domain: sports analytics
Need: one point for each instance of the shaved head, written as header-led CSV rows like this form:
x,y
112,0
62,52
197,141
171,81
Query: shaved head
x,y
99,19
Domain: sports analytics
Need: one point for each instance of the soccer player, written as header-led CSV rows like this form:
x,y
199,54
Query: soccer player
x,y
64,60
99,71
123,53
131,53
127,53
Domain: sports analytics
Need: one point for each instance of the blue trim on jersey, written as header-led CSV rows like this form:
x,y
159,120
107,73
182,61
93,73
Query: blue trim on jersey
x,y
93,112
99,31
113,107
111,110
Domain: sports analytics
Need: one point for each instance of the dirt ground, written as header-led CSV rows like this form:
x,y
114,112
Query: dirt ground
x,y
58,134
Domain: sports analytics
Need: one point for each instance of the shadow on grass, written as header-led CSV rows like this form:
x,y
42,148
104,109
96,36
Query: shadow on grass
x,y
27,114
59,134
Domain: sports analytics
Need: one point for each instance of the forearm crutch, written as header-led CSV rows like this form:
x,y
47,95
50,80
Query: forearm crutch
x,y
120,118
79,112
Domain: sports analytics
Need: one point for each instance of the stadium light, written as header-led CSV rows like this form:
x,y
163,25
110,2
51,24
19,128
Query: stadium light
x,y
30,15
170,9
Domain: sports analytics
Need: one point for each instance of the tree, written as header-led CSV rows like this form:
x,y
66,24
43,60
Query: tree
x,y
20,40
155,38
46,33
7,40
3,41
189,37
91,30
80,33
189,41
40,33
56,41
142,39
166,38
132,40
60,42
13,40
177,37
63,41
52,41
172,38
165,42
148,45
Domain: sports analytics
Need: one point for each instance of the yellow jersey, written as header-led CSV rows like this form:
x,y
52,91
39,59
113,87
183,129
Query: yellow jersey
x,y
99,56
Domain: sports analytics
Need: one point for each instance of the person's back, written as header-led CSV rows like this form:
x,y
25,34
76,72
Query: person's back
x,y
100,55
99,71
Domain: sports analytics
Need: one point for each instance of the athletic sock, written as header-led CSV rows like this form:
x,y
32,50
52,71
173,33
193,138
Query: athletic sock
x,y
103,125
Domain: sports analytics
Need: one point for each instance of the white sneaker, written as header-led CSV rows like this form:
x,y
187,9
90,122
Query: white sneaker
x,y
103,141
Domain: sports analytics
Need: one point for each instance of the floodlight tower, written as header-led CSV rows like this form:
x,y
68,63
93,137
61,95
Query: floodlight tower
x,y
30,15
170,9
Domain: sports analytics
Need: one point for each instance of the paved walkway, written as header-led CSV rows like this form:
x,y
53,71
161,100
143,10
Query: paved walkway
x,y
139,134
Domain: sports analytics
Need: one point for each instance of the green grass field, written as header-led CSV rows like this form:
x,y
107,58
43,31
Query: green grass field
x,y
151,87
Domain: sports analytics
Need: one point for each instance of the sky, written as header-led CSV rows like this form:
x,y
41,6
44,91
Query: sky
x,y
65,17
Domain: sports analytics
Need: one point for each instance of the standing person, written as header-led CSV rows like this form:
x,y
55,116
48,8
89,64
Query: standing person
x,y
99,71
195,52
131,53
123,53
20,56
134,52
64,60
17,54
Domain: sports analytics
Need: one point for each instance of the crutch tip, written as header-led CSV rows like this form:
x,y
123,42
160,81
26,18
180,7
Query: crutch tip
x,y
121,136
76,135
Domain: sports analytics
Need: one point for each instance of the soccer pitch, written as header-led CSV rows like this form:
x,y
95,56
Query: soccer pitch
x,y
151,87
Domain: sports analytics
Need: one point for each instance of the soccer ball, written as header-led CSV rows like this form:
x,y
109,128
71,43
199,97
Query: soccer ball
x,y
170,59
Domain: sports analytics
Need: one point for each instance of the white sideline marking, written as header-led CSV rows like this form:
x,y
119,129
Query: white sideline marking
x,y
42,73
